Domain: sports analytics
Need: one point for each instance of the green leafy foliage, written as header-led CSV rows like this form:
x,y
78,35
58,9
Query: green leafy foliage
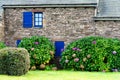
x,y
92,54
41,50
51,67
2,45
14,61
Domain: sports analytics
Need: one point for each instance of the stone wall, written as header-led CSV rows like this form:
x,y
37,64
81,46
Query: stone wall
x,y
66,24
1,28
108,28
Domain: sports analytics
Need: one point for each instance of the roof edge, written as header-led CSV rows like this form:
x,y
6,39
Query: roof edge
x,y
107,18
49,5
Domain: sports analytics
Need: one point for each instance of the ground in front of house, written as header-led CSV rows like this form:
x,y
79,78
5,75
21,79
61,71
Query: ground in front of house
x,y
64,75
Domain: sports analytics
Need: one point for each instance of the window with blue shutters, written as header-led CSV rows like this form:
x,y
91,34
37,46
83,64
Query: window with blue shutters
x,y
30,21
38,19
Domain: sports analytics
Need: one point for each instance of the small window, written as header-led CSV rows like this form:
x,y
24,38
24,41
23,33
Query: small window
x,y
38,19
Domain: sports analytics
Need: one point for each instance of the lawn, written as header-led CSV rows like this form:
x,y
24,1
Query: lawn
x,y
64,75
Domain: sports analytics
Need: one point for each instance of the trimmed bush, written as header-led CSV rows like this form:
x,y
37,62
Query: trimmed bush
x,y
92,54
15,61
2,45
41,50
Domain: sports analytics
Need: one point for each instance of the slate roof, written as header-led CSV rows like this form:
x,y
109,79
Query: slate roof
x,y
12,2
49,3
44,2
108,10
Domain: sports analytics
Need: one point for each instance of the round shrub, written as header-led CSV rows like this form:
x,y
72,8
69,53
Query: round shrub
x,y
3,63
41,50
2,45
15,61
92,54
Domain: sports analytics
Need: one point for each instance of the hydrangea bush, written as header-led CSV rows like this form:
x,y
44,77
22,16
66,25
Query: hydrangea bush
x,y
41,50
92,54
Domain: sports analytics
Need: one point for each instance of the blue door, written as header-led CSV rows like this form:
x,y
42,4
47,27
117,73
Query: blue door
x,y
59,47
17,42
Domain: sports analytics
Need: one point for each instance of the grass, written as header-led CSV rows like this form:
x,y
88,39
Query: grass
x,y
64,75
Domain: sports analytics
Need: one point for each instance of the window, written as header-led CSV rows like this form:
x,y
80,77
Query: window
x,y
30,21
38,19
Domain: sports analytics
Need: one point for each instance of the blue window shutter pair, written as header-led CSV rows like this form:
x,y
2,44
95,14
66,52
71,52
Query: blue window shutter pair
x,y
27,20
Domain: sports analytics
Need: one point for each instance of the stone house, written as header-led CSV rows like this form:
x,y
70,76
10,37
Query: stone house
x,y
59,20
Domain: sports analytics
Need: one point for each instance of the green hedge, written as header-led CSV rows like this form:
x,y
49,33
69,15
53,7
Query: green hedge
x,y
41,50
14,61
92,54
2,45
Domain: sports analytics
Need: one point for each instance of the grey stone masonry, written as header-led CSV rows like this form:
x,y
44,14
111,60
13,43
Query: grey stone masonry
x,y
1,30
67,24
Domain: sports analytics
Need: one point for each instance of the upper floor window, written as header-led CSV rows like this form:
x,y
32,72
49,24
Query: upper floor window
x,y
32,19
38,19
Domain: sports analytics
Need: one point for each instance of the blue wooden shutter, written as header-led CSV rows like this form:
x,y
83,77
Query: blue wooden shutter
x,y
27,19
59,45
17,42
